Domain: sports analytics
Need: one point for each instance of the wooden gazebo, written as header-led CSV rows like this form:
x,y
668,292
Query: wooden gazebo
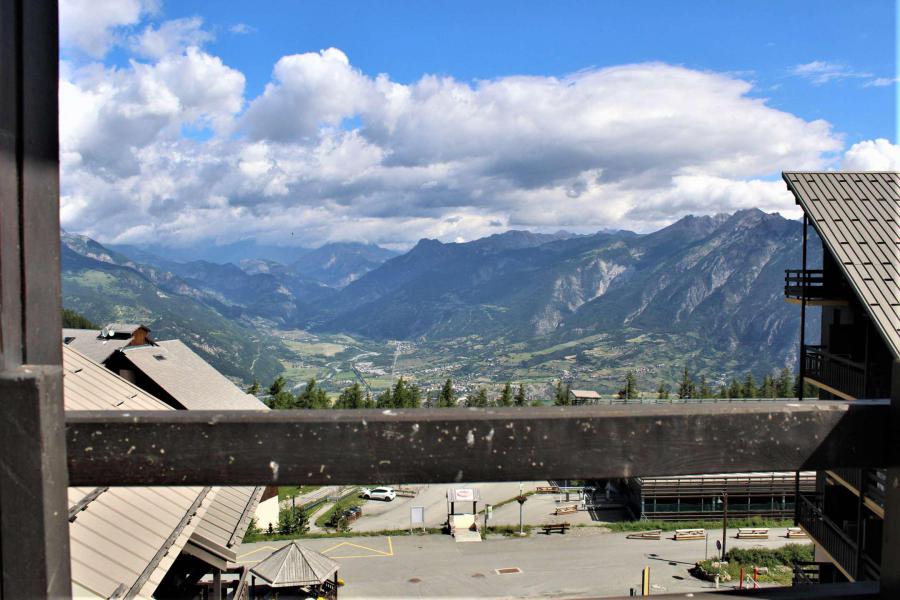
x,y
294,567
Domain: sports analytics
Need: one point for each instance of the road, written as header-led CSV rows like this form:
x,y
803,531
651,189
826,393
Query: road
x,y
583,563
380,516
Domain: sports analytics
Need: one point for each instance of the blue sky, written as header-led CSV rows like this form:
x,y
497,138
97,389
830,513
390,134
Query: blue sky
x,y
198,122
762,40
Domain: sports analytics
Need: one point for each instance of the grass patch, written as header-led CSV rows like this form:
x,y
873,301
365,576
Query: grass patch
x,y
507,530
629,526
778,563
295,490
264,537
349,500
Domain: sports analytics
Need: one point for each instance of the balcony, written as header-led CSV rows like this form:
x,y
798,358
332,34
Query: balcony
x,y
833,540
835,374
870,483
818,290
840,546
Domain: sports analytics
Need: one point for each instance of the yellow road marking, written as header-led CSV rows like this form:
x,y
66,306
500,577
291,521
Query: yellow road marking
x,y
261,548
377,553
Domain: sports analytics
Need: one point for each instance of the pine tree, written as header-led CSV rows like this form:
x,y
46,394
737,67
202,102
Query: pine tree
x,y
686,389
734,389
768,387
253,390
520,399
785,384
662,392
629,392
723,391
385,399
351,397
312,396
749,388
447,396
506,396
280,398
705,391
477,400
562,395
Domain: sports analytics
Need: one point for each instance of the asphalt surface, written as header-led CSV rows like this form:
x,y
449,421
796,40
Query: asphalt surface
x,y
582,563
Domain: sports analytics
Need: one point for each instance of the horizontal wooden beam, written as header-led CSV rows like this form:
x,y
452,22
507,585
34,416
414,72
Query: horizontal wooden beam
x,y
446,445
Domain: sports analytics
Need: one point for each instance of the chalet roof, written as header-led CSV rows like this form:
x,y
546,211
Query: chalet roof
x,y
124,328
590,394
293,566
89,343
192,381
123,539
222,528
857,215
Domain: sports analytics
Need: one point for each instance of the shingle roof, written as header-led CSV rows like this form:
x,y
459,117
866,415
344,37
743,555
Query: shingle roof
x,y
294,566
857,215
123,539
193,382
89,343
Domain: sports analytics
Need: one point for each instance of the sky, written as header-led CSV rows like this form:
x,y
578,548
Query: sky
x,y
196,123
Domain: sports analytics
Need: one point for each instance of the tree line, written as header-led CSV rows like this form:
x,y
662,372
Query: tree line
x,y
402,394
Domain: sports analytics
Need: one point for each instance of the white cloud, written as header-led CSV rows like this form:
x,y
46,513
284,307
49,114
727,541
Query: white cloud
x,y
242,29
171,37
872,155
882,81
310,90
88,25
327,152
820,72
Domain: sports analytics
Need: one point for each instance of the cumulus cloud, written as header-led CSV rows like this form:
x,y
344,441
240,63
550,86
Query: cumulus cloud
x,y
89,25
872,155
327,152
171,37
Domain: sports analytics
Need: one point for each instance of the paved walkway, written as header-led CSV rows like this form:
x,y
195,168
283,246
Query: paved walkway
x,y
583,563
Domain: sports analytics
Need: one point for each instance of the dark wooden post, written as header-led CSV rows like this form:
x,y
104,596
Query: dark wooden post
x,y
890,540
34,532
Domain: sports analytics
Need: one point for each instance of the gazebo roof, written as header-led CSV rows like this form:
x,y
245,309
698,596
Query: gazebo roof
x,y
295,566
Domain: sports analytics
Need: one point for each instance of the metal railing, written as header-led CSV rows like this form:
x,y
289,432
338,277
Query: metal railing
x,y
835,371
815,284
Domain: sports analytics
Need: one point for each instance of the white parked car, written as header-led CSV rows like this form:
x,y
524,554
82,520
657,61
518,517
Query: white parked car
x,y
380,493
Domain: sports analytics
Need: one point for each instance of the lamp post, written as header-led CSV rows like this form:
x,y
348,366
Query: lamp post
x,y
521,498
724,520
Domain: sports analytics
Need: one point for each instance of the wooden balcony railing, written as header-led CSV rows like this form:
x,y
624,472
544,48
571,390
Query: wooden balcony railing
x,y
835,542
871,483
815,285
842,375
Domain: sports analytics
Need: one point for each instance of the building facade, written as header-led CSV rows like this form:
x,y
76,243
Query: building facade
x,y
857,218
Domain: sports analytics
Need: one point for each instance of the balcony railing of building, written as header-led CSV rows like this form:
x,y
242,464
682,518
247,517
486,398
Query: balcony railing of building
x,y
836,542
817,288
839,375
871,483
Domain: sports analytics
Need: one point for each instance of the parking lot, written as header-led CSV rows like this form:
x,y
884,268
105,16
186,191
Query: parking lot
x,y
586,562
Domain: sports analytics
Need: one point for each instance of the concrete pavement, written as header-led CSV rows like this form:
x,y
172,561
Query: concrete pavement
x,y
583,563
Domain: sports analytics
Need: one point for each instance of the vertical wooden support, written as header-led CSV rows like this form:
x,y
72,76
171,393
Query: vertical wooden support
x,y
890,540
34,541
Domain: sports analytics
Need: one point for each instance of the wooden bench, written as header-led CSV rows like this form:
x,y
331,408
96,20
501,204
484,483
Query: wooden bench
x,y
795,532
545,489
653,534
689,534
566,510
753,533
551,527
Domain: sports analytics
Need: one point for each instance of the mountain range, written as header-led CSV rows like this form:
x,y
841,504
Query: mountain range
x,y
718,277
